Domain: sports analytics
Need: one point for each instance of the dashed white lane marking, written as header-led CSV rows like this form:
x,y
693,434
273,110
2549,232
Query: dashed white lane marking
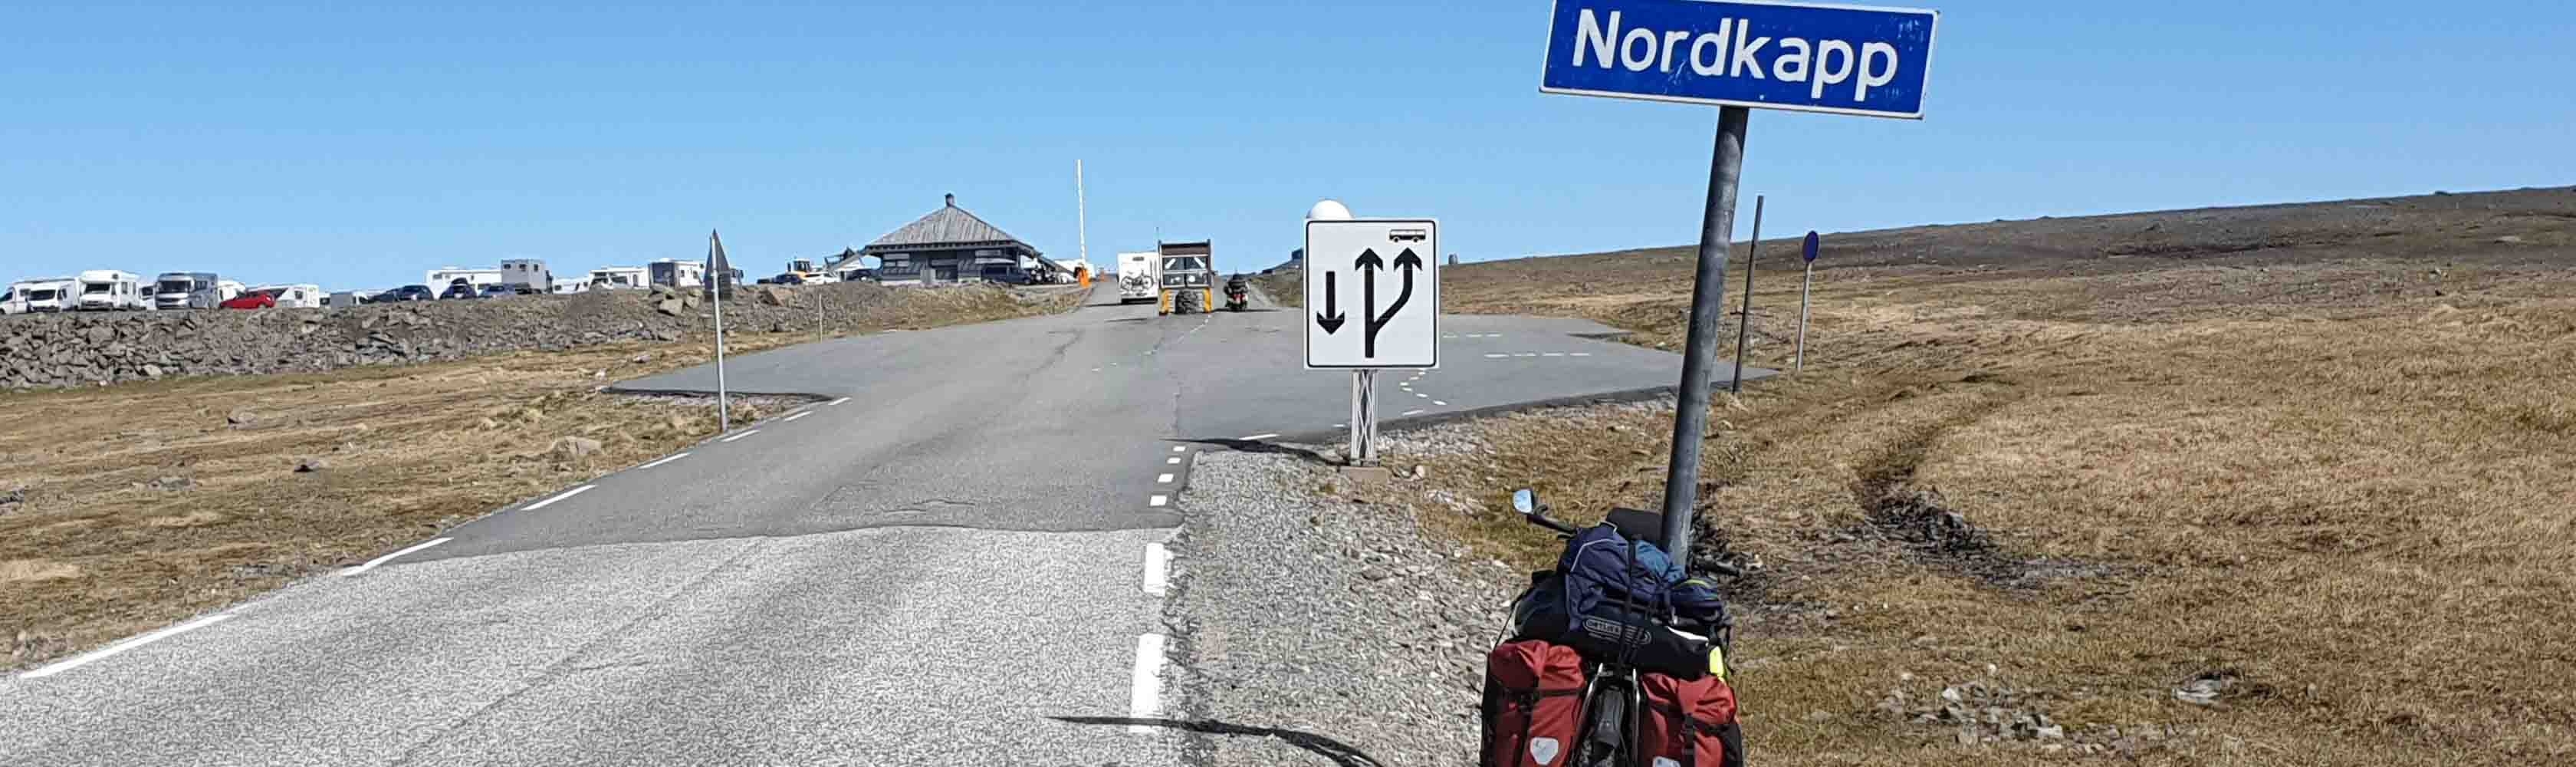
x,y
110,650
1147,700
1158,501
1495,356
1439,403
1172,461
1525,354
1095,370
1553,354
558,497
1180,448
1158,567
1410,412
1162,479
666,459
798,415
1422,395
372,563
836,402
1582,354
740,436
1259,436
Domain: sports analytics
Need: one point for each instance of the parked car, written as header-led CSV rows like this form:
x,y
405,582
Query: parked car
x,y
500,290
257,299
458,291
405,293
786,278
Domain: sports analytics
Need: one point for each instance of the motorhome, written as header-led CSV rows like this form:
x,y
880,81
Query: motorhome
x,y
109,290
673,273
185,290
442,278
618,278
52,294
9,303
528,275
1139,276
225,290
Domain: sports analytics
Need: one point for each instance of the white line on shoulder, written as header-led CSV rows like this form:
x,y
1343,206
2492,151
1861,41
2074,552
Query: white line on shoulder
x,y
558,497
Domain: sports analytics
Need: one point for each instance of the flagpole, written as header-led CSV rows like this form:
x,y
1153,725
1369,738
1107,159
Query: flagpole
x,y
715,271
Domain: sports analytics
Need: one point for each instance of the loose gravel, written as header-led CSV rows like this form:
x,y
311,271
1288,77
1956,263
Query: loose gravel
x,y
1309,629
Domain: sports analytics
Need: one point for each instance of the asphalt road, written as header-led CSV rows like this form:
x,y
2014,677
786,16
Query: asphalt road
x,y
944,562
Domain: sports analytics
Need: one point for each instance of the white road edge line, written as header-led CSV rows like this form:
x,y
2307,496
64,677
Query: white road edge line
x,y
83,660
1147,701
558,497
1410,412
664,460
797,416
1259,436
745,433
1158,569
836,402
1158,501
372,563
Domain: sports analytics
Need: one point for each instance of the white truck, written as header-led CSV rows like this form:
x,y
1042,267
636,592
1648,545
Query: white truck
x,y
1140,276
109,290
52,294
530,276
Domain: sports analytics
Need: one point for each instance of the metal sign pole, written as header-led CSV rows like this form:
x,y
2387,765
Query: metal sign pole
x,y
1708,302
1364,417
1806,288
724,403
1744,320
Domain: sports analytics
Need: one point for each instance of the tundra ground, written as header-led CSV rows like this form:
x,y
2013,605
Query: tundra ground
x,y
2287,485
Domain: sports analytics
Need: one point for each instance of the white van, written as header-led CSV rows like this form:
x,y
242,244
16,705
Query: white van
x,y
53,294
1140,276
618,278
9,303
109,290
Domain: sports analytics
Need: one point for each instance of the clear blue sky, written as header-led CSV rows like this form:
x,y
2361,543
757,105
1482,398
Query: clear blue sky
x,y
357,147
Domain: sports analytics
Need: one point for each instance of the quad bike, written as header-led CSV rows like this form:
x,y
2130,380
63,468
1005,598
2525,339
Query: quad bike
x,y
1238,296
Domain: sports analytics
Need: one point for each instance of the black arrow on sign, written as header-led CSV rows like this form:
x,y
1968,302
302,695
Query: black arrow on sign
x,y
1331,318
1405,262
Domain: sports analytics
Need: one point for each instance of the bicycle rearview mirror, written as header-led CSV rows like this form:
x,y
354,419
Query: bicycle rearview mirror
x,y
1525,501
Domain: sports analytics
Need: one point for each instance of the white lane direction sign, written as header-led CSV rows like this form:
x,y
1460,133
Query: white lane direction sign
x,y
1373,293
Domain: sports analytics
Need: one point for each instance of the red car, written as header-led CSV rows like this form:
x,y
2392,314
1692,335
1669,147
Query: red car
x,y
260,299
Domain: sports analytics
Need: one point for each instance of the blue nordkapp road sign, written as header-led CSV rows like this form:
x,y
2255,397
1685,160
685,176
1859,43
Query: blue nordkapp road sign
x,y
1815,58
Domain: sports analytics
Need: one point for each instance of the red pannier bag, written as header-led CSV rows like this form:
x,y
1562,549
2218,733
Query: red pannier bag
x,y
1533,704
1689,723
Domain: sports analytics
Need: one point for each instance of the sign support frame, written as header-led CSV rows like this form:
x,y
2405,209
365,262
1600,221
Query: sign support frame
x,y
1806,290
1363,450
1708,302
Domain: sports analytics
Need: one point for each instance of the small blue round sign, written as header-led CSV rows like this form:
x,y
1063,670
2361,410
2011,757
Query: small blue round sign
x,y
1809,251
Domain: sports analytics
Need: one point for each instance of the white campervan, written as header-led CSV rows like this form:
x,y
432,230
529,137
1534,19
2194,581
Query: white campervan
x,y
103,290
9,303
618,278
54,294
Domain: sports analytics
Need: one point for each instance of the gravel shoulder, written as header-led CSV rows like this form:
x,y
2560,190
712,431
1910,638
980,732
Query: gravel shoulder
x,y
1310,629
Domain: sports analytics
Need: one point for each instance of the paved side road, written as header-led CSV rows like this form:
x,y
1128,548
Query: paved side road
x,y
952,559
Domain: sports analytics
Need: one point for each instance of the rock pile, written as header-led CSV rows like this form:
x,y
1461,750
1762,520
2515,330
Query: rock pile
x,y
77,349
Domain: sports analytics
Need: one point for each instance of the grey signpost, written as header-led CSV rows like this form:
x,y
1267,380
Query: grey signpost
x,y
1744,319
1830,59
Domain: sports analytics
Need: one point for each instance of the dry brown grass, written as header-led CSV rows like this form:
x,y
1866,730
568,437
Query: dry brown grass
x,y
2337,461
101,550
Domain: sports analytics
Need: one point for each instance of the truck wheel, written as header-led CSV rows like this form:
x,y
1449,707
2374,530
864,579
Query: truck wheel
x,y
1189,302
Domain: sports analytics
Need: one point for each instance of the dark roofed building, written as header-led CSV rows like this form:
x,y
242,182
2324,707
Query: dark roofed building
x,y
952,245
